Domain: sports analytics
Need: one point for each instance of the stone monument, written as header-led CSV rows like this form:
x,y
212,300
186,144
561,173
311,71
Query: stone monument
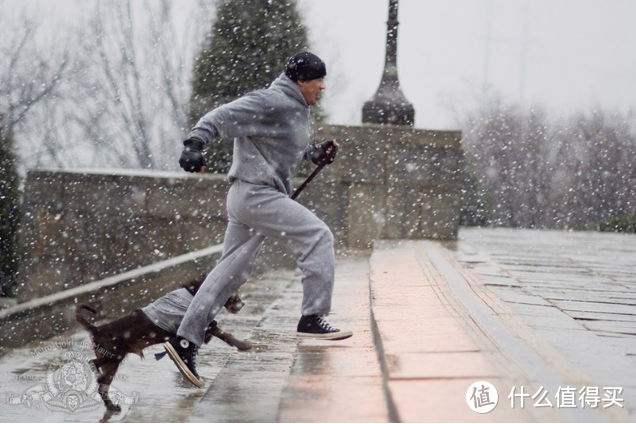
x,y
389,105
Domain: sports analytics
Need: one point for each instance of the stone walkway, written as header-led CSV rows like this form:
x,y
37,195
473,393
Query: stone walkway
x,y
431,348
290,380
575,294
545,317
590,277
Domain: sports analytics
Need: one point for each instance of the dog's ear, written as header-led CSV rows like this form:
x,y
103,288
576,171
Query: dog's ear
x,y
193,286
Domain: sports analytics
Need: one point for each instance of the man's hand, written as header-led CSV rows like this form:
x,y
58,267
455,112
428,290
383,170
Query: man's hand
x,y
192,157
325,152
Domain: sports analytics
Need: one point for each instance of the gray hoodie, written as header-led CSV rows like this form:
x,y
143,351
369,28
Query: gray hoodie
x,y
271,133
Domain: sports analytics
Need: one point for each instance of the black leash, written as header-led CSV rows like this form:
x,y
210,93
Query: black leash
x,y
308,180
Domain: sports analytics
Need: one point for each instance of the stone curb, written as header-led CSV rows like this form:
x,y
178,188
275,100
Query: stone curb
x,y
377,341
430,348
51,315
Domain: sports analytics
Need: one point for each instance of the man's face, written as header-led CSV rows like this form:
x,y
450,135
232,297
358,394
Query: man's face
x,y
311,90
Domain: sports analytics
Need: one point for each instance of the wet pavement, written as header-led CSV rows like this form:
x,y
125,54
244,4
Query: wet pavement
x,y
548,318
154,390
590,277
286,379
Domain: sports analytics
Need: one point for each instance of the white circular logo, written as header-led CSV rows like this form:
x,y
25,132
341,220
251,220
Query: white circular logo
x,y
71,386
482,397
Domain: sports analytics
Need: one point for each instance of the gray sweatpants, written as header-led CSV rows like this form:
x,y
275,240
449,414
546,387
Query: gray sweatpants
x,y
256,212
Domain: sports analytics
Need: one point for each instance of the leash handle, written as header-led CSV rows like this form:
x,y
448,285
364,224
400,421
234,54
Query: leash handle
x,y
308,180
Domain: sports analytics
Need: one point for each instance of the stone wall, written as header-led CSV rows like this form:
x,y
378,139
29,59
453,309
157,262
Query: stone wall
x,y
84,225
80,226
47,316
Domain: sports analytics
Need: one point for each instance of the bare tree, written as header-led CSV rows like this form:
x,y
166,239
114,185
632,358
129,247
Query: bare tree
x,y
135,91
29,75
602,172
125,101
530,172
507,155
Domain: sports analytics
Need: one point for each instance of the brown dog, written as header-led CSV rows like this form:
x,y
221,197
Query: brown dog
x,y
134,332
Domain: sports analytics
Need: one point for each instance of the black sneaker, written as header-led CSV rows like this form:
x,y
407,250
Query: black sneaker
x,y
183,353
313,326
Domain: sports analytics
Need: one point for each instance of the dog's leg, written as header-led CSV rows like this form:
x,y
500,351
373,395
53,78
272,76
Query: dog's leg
x,y
230,339
106,377
234,304
98,362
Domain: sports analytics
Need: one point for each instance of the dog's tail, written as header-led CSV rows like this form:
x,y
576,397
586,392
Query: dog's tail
x,y
80,318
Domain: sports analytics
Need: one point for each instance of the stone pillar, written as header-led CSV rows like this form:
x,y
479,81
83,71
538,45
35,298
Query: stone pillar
x,y
400,182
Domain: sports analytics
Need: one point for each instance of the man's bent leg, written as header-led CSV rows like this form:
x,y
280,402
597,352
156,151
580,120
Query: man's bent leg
x,y
291,224
240,250
276,216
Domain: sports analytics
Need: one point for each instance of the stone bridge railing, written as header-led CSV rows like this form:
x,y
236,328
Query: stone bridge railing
x,y
80,226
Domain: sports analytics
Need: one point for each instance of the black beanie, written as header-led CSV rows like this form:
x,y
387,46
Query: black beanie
x,y
305,66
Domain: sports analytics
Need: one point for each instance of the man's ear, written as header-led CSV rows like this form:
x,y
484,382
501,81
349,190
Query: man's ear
x,y
302,85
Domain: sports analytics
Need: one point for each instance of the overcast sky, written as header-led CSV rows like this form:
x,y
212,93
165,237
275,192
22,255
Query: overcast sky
x,y
562,54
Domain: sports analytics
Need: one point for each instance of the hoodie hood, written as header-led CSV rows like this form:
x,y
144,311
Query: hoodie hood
x,y
288,87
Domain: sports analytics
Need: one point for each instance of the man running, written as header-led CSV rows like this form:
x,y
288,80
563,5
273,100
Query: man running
x,y
272,136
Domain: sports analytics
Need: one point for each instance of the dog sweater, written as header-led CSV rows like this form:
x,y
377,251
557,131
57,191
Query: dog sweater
x,y
168,311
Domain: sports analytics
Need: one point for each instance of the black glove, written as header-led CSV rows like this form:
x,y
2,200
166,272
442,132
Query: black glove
x,y
319,154
191,158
